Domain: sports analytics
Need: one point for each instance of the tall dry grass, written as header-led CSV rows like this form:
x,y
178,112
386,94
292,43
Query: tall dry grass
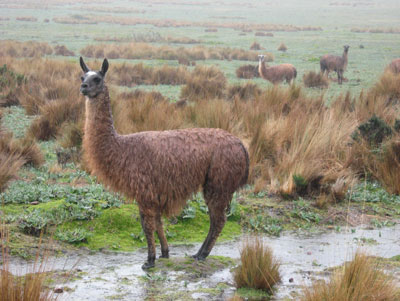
x,y
297,144
361,279
30,287
312,79
148,51
204,83
130,75
258,268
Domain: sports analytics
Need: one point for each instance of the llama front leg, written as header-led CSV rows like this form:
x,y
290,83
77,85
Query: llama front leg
x,y
162,238
340,77
149,225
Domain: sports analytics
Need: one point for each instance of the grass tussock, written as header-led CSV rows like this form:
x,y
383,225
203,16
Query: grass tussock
x,y
255,46
53,115
9,166
24,49
141,111
244,92
360,279
258,268
10,85
315,80
388,86
204,83
25,149
247,71
130,75
282,47
147,51
29,287
63,51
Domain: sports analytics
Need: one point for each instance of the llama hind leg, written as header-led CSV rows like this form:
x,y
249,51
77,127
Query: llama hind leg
x,y
161,237
217,208
149,225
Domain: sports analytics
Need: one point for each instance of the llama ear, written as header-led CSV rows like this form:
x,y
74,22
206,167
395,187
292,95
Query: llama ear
x,y
84,67
104,67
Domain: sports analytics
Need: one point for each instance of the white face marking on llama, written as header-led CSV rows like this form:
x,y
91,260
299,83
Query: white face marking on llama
x,y
92,81
261,57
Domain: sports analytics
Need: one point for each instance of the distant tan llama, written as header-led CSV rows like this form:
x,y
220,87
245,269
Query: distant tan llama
x,y
335,63
276,74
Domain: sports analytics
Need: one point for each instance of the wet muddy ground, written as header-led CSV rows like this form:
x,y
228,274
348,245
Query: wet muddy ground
x,y
304,257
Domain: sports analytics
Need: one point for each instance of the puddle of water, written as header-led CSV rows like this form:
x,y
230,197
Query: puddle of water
x,y
303,257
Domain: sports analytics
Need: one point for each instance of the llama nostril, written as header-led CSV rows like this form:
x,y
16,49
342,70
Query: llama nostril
x,y
84,86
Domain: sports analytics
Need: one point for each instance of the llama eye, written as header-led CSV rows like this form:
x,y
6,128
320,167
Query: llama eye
x,y
82,78
97,80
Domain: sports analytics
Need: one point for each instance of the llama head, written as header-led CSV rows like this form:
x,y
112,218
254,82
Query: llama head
x,y
261,58
93,81
346,48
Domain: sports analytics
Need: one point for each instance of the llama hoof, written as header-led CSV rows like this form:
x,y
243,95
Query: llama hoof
x,y
199,257
164,255
147,265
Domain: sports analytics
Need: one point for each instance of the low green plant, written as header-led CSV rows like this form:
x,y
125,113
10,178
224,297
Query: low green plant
x,y
374,131
33,223
266,224
371,192
73,235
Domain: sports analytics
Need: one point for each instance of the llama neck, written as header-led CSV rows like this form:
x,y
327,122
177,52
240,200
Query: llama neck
x,y
100,135
344,57
263,70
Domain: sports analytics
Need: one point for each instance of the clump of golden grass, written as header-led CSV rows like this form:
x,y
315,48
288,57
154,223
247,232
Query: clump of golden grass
x,y
29,287
26,19
62,50
204,83
315,80
9,166
53,115
10,86
255,46
388,86
282,47
25,149
24,49
247,71
147,51
143,112
360,279
244,92
131,75
258,268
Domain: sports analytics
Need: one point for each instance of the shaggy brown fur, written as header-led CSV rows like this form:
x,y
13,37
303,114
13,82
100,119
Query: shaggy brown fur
x,y
162,169
335,63
276,74
394,66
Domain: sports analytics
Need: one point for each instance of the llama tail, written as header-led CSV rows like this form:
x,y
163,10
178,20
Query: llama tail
x,y
246,174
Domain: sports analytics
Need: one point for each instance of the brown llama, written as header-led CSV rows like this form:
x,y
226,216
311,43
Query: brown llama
x,y
276,74
335,63
394,66
161,169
